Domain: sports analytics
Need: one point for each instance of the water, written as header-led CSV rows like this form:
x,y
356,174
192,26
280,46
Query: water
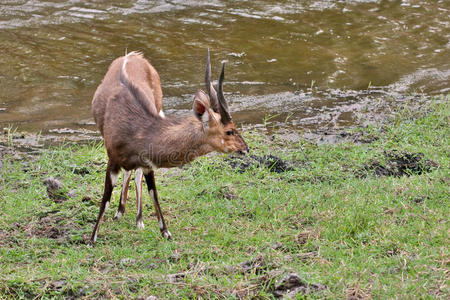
x,y
55,53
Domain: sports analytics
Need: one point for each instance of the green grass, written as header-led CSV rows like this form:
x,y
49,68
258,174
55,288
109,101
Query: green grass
x,y
329,220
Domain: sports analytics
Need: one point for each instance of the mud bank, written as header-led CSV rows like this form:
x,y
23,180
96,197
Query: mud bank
x,y
328,125
26,145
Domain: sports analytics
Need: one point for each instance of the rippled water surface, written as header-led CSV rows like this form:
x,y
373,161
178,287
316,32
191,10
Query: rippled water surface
x,y
55,53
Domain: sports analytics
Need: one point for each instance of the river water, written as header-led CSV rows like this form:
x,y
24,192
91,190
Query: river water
x,y
301,63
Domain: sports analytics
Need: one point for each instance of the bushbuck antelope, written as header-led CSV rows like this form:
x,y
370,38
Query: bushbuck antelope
x,y
127,110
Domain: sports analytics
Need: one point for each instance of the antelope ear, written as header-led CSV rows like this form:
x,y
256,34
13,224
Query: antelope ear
x,y
201,107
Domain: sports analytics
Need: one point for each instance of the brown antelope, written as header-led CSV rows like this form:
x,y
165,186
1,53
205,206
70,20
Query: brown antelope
x,y
127,110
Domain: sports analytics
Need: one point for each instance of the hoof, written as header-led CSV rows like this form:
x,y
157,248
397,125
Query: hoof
x,y
118,215
166,234
140,225
93,240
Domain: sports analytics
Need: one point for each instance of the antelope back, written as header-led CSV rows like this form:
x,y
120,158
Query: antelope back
x,y
139,73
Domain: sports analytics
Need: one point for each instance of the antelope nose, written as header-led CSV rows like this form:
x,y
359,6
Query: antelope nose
x,y
244,152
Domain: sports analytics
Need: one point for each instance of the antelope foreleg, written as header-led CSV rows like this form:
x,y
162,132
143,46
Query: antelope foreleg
x,y
110,181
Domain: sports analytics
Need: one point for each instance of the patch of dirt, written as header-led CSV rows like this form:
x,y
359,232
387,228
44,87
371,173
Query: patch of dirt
x,y
194,271
392,252
148,264
25,146
271,162
291,284
308,256
257,265
279,282
334,136
87,198
81,170
13,289
57,285
305,236
420,199
49,225
228,192
4,238
399,163
60,288
359,137
224,192
175,257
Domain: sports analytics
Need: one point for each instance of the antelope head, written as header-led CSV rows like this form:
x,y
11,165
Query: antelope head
x,y
211,108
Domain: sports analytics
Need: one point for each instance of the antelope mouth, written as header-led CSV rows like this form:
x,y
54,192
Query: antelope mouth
x,y
243,152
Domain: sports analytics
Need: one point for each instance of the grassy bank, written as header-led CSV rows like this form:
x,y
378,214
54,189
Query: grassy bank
x,y
347,218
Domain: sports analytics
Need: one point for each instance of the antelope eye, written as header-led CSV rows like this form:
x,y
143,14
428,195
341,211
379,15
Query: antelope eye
x,y
230,132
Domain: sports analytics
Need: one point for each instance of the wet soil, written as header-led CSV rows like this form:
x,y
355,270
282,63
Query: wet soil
x,y
291,284
46,224
25,145
399,164
257,265
53,227
271,162
322,128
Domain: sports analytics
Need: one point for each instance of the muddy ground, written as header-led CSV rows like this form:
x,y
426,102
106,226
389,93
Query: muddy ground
x,y
23,145
322,128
